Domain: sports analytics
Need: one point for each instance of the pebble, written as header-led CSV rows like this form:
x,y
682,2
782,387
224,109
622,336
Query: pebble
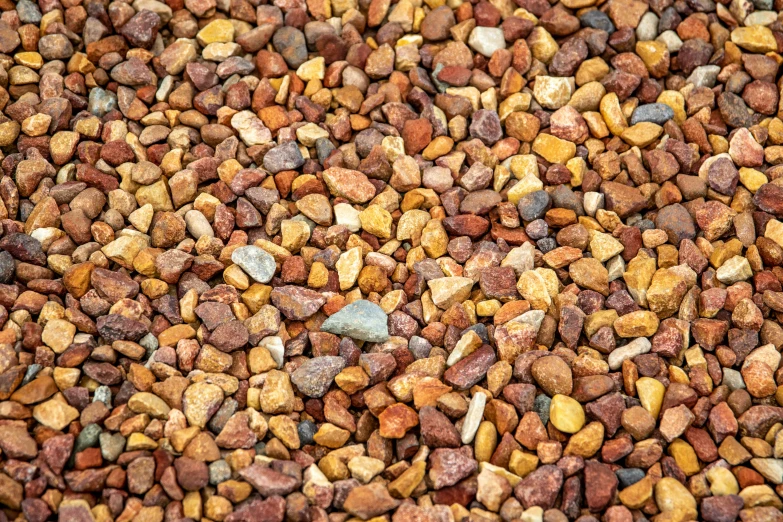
x,y
255,262
508,261
360,320
486,40
658,113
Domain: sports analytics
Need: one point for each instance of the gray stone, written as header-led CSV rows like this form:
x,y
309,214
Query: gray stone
x,y
88,438
7,267
541,406
283,157
314,377
102,394
111,445
255,262
629,476
648,27
306,430
704,76
652,112
360,320
28,12
101,102
596,19
31,372
219,471
534,205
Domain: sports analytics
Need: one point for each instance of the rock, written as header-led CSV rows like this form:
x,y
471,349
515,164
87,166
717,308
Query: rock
x,y
255,262
361,320
314,377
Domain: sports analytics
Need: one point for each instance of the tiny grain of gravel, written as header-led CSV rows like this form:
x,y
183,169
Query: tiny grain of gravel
x,y
422,261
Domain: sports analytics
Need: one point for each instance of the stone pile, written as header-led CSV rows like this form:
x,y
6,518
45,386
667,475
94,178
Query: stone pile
x,y
421,261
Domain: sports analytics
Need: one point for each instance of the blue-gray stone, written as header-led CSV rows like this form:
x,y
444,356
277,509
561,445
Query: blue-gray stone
x,y
534,205
763,5
645,224
596,19
111,445
546,244
324,147
480,329
31,372
256,262
88,438
101,102
629,476
219,471
28,12
541,406
360,320
314,376
658,113
283,157
307,430
438,84
102,394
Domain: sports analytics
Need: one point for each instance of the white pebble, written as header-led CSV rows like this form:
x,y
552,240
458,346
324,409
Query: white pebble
x,y
487,40
473,417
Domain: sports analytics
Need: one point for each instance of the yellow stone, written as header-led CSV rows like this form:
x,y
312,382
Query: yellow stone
x,y
650,393
331,436
523,165
377,221
522,463
685,456
139,441
312,69
404,485
588,97
722,481
543,46
613,114
636,495
319,275
674,499
655,56
587,441
642,134
485,442
434,239
641,323
172,335
437,148
752,179
756,39
527,185
591,70
566,414
554,149
32,60
217,31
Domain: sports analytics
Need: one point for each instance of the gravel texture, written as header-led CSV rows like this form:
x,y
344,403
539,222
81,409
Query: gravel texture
x,y
421,261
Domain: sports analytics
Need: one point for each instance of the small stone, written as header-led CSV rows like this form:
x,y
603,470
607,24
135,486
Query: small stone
x,y
257,263
361,320
566,414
